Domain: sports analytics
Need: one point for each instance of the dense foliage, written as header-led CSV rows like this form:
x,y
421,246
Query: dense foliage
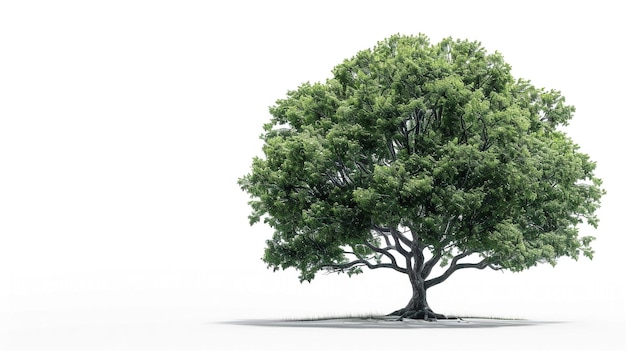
x,y
415,154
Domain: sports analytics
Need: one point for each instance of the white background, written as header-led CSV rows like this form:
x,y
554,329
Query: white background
x,y
124,126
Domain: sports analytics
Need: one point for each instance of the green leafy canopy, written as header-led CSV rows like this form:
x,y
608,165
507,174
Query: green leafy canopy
x,y
436,140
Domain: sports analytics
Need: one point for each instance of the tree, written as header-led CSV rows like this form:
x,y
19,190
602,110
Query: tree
x,y
415,155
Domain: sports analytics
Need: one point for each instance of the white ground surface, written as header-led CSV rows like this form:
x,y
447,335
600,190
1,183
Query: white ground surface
x,y
124,125
188,330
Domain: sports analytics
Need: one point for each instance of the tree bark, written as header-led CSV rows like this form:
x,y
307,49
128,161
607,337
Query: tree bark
x,y
417,308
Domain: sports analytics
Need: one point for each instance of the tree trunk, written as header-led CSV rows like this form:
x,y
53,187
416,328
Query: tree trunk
x,y
417,308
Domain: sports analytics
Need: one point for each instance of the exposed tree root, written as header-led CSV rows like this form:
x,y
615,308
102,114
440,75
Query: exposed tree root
x,y
426,315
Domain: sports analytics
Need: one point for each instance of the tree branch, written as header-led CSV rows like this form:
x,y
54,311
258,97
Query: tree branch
x,y
392,150
454,266
399,237
334,180
362,167
361,262
430,264
464,127
381,231
398,245
484,134
383,252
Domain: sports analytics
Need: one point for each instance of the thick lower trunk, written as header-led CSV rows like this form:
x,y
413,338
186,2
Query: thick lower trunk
x,y
417,308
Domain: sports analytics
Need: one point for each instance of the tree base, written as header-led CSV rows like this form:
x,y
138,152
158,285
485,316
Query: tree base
x,y
426,315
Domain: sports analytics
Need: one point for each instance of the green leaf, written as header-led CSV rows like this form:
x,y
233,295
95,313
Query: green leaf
x,y
438,139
